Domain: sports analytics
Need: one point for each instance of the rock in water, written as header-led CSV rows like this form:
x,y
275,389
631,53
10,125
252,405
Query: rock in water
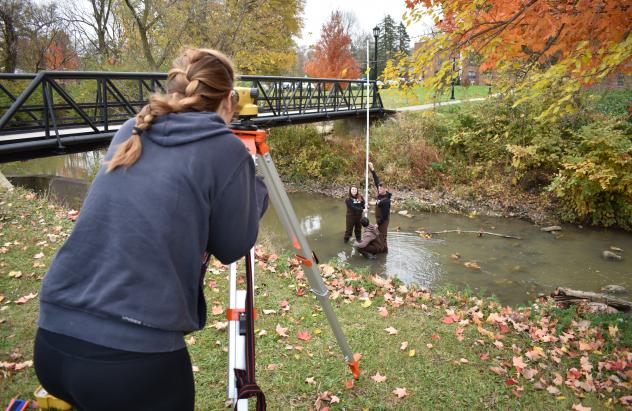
x,y
614,289
552,228
609,255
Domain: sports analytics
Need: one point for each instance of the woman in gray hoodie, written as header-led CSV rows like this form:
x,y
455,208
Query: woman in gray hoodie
x,y
127,285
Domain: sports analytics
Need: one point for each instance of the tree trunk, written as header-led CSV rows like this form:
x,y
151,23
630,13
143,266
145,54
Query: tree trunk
x,y
10,40
566,296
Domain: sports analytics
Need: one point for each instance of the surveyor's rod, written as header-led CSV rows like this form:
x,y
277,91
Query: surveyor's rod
x,y
288,218
366,165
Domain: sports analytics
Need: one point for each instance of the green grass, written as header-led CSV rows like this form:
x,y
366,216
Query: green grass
x,y
394,98
435,378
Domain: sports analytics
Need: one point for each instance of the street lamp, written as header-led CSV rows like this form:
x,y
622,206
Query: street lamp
x,y
453,77
376,35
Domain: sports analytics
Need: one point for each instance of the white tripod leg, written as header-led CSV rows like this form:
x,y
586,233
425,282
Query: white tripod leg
x,y
236,341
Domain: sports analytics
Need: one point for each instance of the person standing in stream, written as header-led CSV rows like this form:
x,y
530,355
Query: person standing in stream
x,y
355,207
382,207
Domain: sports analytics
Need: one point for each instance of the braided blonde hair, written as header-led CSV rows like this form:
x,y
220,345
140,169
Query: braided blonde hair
x,y
199,80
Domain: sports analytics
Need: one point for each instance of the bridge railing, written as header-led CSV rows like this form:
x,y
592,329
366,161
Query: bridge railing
x,y
53,100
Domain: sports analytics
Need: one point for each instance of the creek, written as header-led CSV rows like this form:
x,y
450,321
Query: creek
x,y
516,271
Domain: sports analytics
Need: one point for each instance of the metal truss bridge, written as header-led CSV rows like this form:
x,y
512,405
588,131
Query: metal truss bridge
x,y
59,112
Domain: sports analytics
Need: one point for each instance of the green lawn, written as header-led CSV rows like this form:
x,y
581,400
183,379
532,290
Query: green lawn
x,y
394,98
446,349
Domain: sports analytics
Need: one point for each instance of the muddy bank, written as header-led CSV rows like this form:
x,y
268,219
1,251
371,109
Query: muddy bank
x,y
487,200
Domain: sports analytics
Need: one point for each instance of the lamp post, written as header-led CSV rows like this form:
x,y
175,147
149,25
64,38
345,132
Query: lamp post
x,y
453,78
376,35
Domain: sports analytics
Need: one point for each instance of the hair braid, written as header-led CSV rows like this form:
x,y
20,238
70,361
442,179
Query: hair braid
x,y
199,80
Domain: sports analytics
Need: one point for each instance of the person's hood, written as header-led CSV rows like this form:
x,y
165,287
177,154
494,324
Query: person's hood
x,y
182,128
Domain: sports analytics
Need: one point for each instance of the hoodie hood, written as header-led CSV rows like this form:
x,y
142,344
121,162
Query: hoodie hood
x,y
182,128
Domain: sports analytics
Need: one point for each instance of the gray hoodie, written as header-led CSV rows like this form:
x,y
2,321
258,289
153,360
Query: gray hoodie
x,y
129,277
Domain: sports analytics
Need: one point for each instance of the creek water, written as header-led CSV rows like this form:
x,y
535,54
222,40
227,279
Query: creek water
x,y
513,270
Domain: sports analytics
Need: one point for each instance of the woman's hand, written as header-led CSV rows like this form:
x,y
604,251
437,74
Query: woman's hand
x,y
371,166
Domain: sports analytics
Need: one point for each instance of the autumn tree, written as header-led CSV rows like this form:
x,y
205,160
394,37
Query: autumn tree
x,y
533,46
59,54
257,34
332,56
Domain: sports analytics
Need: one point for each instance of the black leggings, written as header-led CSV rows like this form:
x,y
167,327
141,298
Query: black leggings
x,y
92,377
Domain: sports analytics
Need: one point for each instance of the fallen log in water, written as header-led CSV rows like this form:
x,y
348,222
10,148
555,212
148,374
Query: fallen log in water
x,y
480,233
566,297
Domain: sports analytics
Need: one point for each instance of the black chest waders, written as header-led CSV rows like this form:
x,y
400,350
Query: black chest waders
x,y
241,313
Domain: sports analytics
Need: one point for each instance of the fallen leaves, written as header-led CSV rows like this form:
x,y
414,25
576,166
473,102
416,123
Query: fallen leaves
x,y
16,366
472,265
281,331
26,298
303,335
553,390
378,377
400,392
382,311
498,370
391,331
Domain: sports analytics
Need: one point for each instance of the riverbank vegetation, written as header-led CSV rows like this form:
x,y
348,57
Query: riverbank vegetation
x,y
420,349
578,165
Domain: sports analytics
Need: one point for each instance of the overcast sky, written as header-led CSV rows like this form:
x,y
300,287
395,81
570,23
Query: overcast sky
x,y
368,13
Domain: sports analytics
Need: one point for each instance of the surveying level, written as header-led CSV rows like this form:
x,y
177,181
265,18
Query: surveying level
x,y
237,313
246,102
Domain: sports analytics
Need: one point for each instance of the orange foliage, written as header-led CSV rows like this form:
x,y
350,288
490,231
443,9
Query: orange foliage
x,y
332,56
59,57
537,32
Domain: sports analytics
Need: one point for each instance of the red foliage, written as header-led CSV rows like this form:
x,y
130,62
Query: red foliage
x,y
332,56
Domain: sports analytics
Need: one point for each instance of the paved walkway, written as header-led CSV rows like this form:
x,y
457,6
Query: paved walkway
x,y
433,105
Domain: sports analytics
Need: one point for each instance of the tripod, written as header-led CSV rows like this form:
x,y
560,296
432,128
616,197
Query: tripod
x,y
238,349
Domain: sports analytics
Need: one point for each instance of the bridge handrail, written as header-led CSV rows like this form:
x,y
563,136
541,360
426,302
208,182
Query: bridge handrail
x,y
81,75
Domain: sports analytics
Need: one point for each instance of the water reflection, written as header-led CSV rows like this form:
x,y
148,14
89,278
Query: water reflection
x,y
412,259
311,224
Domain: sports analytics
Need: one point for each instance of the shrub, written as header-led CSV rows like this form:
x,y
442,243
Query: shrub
x,y
595,181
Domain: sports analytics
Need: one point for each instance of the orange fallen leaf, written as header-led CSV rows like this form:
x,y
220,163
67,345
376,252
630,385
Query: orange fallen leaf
x,y
304,335
382,311
580,407
217,310
349,384
519,363
404,345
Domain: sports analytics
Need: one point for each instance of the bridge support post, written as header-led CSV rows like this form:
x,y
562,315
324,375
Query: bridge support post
x,y
4,183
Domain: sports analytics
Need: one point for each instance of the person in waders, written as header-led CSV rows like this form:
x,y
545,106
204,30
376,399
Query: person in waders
x,y
355,207
382,207
128,284
371,242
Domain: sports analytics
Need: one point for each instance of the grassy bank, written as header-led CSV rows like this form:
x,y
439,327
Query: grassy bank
x,y
420,349
577,167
